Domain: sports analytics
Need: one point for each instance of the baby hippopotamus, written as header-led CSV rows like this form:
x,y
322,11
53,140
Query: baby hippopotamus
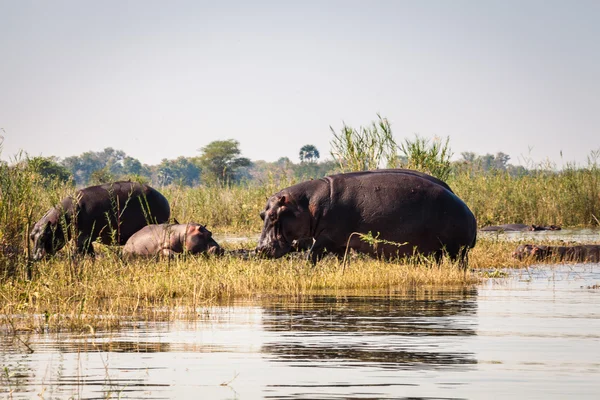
x,y
582,253
169,239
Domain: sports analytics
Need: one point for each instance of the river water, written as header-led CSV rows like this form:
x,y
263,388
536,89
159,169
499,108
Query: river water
x,y
533,335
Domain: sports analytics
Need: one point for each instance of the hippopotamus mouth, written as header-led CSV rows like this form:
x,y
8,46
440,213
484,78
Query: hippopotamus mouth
x,y
274,250
215,250
38,254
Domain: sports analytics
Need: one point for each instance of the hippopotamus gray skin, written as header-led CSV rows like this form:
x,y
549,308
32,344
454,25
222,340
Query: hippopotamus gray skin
x,y
400,206
519,228
128,205
169,239
583,253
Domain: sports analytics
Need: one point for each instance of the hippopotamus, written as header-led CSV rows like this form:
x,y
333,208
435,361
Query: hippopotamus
x,y
169,239
583,253
112,212
519,228
406,210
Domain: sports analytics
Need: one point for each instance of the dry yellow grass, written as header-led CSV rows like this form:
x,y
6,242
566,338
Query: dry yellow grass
x,y
107,292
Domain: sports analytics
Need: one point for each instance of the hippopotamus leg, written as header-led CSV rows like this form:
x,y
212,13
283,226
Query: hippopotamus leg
x,y
321,246
167,252
84,246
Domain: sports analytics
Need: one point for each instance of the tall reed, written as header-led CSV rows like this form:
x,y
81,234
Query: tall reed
x,y
364,148
24,196
570,197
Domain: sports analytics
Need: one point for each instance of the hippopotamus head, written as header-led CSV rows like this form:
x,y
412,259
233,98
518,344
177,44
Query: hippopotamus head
x,y
285,220
199,240
538,252
523,251
47,235
545,228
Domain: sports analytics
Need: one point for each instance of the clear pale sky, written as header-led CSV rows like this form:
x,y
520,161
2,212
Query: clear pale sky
x,y
163,79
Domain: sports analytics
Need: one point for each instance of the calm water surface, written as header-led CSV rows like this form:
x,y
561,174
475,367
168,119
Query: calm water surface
x,y
566,235
534,335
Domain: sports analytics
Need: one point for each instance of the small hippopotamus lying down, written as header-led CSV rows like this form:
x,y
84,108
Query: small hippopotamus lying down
x,y
409,211
519,228
583,253
169,239
112,212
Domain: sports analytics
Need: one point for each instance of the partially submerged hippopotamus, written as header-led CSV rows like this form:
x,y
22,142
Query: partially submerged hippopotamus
x,y
417,212
519,228
112,212
583,253
168,239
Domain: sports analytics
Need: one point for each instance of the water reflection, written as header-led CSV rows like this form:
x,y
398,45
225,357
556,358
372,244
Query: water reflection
x,y
533,335
383,331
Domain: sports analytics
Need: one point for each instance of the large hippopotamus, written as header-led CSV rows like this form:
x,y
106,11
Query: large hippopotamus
x,y
519,228
169,239
112,212
415,211
583,253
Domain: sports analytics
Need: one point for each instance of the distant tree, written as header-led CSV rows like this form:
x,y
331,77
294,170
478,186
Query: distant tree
x,y
164,173
84,165
308,153
468,156
501,160
313,170
283,161
132,166
182,171
49,169
220,161
101,176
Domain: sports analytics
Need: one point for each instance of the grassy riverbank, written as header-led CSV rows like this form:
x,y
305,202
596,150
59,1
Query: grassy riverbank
x,y
64,295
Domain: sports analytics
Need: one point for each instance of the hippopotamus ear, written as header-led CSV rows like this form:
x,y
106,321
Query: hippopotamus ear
x,y
281,200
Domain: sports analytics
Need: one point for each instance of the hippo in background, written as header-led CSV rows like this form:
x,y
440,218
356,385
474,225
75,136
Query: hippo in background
x,y
410,212
170,239
582,253
519,228
112,212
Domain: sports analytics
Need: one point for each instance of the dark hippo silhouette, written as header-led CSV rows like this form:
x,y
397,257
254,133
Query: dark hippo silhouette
x,y
400,206
583,253
112,212
519,228
168,239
